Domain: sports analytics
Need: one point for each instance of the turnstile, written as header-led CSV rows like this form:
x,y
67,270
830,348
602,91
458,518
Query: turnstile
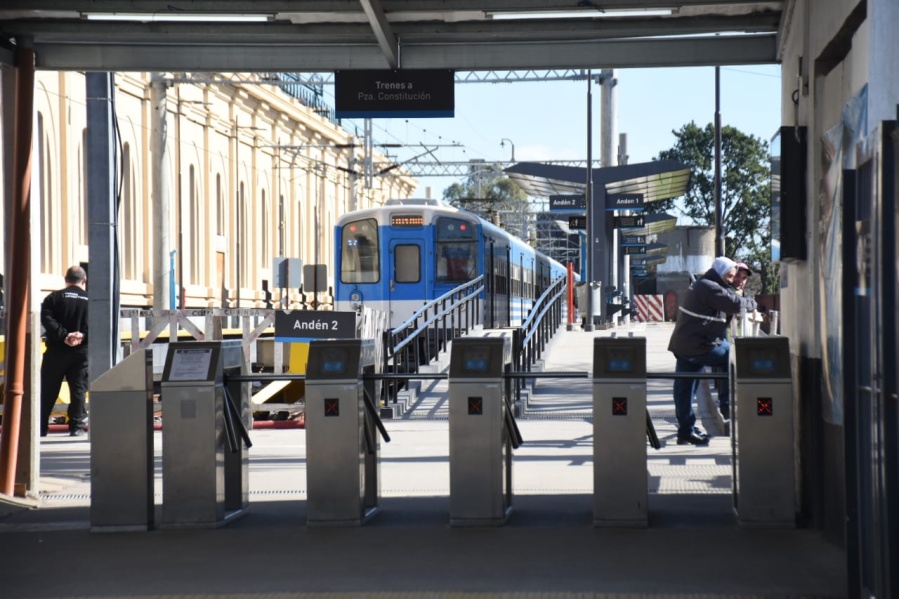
x,y
619,432
121,434
342,446
762,439
201,423
482,431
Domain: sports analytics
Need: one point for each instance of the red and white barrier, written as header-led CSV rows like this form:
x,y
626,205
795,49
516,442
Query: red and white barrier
x,y
649,308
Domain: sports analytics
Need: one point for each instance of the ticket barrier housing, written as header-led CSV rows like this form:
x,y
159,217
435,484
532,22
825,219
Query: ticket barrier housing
x,y
620,428
482,431
121,435
204,436
762,439
342,445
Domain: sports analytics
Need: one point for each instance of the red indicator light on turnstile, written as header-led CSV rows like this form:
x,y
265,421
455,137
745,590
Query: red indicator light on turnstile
x,y
332,407
619,406
475,406
764,406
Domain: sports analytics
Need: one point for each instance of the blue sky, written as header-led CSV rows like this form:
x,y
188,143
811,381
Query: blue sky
x,y
547,120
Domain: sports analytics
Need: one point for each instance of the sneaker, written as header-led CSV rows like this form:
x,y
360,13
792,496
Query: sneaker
x,y
725,412
78,432
695,438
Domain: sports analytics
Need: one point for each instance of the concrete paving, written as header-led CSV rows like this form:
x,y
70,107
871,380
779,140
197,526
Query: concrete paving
x,y
693,546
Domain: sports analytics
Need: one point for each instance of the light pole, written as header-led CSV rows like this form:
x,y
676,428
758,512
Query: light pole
x,y
502,144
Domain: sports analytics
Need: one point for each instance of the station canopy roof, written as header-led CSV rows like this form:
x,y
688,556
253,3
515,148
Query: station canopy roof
x,y
656,180
651,259
656,249
657,223
315,36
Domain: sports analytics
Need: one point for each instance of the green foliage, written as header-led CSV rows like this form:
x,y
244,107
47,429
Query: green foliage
x,y
486,189
745,193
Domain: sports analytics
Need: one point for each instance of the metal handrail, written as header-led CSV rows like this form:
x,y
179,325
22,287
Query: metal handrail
x,y
432,319
543,312
540,300
444,316
530,339
431,303
572,374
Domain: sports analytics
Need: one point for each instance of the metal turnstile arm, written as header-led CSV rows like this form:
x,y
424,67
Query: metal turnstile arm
x,y
369,442
373,412
511,425
232,413
651,433
512,429
230,432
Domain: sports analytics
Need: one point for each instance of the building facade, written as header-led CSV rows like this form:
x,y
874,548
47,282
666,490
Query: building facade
x,y
217,178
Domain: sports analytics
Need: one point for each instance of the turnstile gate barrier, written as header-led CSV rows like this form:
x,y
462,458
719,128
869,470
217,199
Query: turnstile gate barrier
x,y
202,487
762,439
619,432
121,434
482,431
342,445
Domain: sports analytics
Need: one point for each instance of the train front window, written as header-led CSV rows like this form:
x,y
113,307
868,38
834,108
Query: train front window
x,y
456,250
359,262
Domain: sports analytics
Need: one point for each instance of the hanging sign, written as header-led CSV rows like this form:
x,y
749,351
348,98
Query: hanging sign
x,y
403,93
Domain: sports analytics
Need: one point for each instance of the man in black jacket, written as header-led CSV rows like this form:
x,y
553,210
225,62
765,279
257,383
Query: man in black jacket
x,y
700,339
64,316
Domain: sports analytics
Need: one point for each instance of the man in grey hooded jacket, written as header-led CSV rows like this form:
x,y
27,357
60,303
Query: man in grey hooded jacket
x,y
700,339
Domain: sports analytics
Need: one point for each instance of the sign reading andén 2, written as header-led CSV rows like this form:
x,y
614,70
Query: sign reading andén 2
x,y
415,93
294,325
567,202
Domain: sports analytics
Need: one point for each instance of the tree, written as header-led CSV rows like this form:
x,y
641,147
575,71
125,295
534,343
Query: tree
x,y
745,193
487,192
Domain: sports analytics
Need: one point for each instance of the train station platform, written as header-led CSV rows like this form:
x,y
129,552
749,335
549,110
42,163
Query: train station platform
x,y
693,546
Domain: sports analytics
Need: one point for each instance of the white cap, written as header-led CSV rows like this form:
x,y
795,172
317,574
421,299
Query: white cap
x,y
723,265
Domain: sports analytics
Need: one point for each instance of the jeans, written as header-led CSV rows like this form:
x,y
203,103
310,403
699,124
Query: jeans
x,y
685,389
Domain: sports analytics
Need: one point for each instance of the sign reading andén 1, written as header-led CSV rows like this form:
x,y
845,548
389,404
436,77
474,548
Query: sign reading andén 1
x,y
294,325
413,93
624,201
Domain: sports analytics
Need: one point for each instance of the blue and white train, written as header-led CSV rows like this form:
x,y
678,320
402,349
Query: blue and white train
x,y
397,257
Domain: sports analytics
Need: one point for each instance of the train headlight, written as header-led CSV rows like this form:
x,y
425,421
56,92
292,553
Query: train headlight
x,y
356,296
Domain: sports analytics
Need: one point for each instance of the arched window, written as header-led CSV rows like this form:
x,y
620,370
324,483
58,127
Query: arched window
x,y
194,277
265,230
296,225
220,211
242,225
128,249
49,242
83,187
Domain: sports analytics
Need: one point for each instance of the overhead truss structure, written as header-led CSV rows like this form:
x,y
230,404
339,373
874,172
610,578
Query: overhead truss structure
x,y
329,35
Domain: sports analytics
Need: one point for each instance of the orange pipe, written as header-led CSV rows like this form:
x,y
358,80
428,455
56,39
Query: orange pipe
x,y
19,269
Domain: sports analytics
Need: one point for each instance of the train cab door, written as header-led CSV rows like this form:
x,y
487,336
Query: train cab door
x,y
497,267
407,284
501,278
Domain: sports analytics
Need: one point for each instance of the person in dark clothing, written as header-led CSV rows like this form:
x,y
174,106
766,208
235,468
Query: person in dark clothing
x,y
700,339
64,317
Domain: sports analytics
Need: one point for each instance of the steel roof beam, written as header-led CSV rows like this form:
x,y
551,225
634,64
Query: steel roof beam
x,y
381,28
343,6
275,33
708,51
